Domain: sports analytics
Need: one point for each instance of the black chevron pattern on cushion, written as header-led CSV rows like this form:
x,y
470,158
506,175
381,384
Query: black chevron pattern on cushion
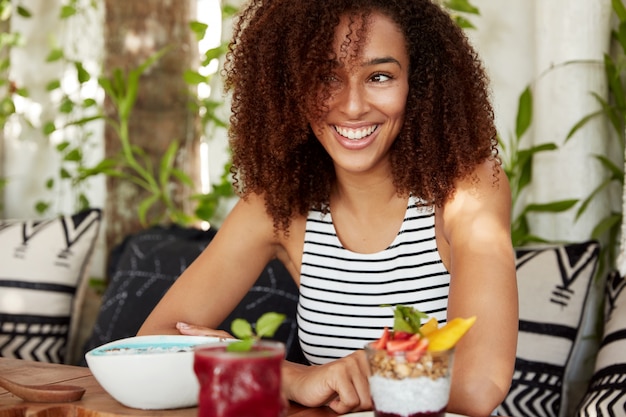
x,y
606,395
43,264
554,284
535,390
37,338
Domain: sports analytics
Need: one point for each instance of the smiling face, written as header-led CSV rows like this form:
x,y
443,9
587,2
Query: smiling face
x,y
368,94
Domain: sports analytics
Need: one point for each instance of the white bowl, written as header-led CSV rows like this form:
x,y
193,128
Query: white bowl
x,y
149,372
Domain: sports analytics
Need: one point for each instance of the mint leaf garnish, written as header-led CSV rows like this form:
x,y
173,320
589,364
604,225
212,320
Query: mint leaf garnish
x,y
407,319
268,323
242,329
240,345
266,326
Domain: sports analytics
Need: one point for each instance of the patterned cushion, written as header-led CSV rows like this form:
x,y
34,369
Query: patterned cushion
x,y
43,264
606,395
146,264
554,285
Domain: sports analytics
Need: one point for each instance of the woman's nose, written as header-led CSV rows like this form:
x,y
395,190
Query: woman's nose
x,y
352,100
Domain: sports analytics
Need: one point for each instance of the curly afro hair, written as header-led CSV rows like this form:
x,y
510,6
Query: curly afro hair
x,y
275,70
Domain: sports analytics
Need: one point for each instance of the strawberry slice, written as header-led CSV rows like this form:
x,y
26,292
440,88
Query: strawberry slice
x,y
400,335
382,342
401,345
418,351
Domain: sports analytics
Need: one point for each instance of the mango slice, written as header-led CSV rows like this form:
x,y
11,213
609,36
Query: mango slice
x,y
429,327
448,335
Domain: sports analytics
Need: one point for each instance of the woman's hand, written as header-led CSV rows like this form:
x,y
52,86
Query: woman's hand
x,y
191,330
342,384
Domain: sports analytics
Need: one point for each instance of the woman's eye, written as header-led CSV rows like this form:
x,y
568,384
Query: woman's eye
x,y
330,79
380,77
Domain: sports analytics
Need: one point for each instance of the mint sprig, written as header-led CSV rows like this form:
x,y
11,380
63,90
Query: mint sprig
x,y
265,326
407,319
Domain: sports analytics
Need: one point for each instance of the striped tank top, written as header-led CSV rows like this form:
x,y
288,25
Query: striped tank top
x,y
341,292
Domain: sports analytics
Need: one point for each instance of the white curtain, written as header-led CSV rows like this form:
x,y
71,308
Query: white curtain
x,y
557,48
570,40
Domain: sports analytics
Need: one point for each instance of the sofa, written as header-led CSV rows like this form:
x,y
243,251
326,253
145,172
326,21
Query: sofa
x,y
571,357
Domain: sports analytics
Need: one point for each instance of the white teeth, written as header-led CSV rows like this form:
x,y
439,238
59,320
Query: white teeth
x,y
355,134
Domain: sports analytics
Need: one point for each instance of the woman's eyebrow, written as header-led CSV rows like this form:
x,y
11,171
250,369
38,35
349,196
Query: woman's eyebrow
x,y
370,62
382,60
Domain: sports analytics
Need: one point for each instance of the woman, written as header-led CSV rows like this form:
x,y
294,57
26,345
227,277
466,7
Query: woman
x,y
364,152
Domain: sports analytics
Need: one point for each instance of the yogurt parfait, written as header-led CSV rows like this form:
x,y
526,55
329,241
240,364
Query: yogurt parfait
x,y
410,365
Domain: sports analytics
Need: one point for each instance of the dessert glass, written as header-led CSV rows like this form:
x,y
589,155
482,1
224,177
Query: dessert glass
x,y
239,384
402,387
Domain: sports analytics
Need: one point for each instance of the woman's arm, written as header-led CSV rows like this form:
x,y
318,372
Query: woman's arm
x,y
212,286
481,261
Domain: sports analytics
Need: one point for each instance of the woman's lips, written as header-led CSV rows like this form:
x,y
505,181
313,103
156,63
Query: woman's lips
x,y
355,134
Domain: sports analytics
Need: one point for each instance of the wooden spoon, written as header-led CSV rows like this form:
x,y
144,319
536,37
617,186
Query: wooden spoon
x,y
43,393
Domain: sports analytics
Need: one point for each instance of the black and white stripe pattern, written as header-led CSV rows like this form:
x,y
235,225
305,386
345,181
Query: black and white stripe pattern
x,y
341,292
42,266
554,285
606,395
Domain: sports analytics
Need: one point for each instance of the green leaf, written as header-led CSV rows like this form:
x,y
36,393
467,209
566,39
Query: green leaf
x,y
268,323
214,53
89,102
62,146
620,35
407,319
41,207
48,128
463,23
81,73
7,106
617,173
53,85
107,86
182,177
241,329
462,6
554,207
194,77
84,120
75,155
199,29
23,12
524,113
229,10
67,106
606,224
240,345
5,10
590,197
144,206
615,81
67,11
55,55
166,163
613,113
619,9
83,202
581,123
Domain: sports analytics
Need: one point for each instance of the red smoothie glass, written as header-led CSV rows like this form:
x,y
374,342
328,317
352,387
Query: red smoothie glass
x,y
239,384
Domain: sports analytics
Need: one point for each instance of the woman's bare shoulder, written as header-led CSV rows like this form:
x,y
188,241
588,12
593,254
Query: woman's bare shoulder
x,y
488,181
482,197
